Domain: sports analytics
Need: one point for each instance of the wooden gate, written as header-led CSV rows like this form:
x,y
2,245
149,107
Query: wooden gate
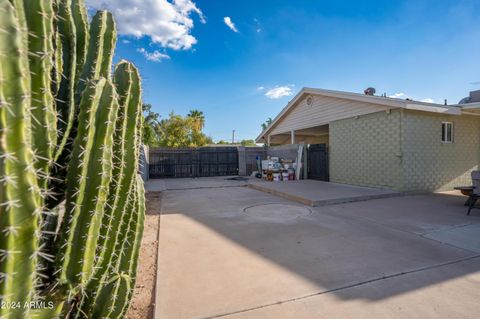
x,y
193,162
318,162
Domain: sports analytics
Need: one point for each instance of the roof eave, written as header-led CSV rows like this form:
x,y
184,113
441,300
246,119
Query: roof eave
x,y
378,100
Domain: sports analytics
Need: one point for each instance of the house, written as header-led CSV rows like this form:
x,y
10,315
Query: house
x,y
384,142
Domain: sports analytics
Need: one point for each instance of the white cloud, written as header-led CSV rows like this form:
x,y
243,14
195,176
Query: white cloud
x,y
167,23
258,27
126,41
228,21
403,96
428,100
398,96
261,88
154,56
279,92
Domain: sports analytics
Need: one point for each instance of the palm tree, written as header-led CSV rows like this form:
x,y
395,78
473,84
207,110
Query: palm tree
x,y
267,123
198,117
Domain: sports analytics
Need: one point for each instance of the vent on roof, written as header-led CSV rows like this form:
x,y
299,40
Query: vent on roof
x,y
369,91
472,98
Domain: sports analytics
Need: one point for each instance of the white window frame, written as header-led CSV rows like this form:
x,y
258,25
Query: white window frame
x,y
445,126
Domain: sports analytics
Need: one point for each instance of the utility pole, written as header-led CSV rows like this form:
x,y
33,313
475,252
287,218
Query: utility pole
x,y
233,136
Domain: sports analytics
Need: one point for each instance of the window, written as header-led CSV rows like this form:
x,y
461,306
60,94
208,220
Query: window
x,y
447,132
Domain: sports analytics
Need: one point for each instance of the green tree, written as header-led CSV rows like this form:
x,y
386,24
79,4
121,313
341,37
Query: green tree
x,y
198,118
179,131
267,123
248,143
150,129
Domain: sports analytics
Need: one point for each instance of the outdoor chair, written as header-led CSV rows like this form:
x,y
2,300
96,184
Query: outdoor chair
x,y
476,190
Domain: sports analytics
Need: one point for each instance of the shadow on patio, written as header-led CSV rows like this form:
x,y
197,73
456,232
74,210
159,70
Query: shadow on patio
x,y
216,259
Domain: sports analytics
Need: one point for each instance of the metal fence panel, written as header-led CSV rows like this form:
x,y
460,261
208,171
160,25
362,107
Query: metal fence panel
x,y
318,162
193,162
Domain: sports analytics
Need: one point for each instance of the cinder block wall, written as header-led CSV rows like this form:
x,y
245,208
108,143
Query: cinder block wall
x,y
366,150
429,164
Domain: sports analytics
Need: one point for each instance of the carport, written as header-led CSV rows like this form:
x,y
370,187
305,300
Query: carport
x,y
312,135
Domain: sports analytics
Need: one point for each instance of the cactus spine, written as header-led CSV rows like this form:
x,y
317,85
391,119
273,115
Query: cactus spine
x,y
65,132
66,59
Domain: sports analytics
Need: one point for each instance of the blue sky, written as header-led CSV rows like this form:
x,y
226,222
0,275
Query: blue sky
x,y
241,74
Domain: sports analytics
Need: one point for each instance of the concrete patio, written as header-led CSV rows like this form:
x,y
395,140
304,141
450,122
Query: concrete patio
x,y
318,193
236,252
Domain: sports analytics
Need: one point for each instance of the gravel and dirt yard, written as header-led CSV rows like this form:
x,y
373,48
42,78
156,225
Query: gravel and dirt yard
x,y
143,296
230,251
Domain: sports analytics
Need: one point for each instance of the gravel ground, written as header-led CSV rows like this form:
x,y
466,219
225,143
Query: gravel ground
x,y
142,303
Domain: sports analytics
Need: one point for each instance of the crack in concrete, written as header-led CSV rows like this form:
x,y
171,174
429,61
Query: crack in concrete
x,y
450,228
202,187
343,287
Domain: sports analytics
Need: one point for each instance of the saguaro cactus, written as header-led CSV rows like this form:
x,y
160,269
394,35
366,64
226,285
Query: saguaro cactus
x,y
67,130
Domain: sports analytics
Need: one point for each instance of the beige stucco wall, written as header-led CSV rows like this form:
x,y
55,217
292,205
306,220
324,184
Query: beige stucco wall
x,y
429,164
365,150
323,110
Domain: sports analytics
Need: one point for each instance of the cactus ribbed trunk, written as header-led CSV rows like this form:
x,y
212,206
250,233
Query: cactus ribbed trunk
x,y
20,200
89,175
39,17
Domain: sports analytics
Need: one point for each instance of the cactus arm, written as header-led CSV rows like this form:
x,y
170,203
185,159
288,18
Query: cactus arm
x,y
77,171
125,159
54,312
22,22
130,249
112,297
66,106
57,47
39,17
19,193
129,261
100,49
80,20
88,178
121,262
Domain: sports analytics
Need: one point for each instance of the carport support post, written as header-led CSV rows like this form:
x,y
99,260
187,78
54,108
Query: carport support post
x,y
292,135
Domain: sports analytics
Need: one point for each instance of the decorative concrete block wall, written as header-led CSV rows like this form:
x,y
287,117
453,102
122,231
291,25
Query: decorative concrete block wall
x,y
366,150
403,150
247,159
429,164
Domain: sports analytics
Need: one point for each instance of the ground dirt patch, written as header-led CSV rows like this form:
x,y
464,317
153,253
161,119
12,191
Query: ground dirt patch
x,y
142,303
